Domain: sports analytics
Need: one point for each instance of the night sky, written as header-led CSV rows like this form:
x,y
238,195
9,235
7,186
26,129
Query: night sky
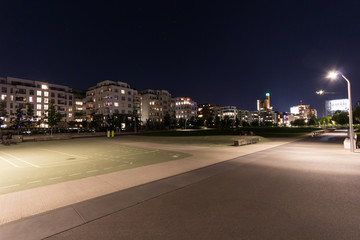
x,y
212,51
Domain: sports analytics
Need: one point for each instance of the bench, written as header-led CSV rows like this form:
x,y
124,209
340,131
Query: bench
x,y
317,133
246,141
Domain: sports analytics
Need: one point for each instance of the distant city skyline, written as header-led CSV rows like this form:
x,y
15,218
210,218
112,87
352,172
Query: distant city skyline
x,y
228,54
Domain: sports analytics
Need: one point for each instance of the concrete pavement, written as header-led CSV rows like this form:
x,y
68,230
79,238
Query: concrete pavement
x,y
180,205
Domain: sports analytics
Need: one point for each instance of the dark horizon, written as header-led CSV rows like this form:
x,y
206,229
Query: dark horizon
x,y
227,54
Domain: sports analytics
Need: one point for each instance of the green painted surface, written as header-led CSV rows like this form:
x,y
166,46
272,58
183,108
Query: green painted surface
x,y
34,164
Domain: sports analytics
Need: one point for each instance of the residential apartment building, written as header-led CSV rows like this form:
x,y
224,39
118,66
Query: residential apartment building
x,y
228,111
185,108
109,97
79,105
17,93
155,104
207,113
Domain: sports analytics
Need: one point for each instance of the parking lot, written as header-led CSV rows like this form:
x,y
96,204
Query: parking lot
x,y
33,164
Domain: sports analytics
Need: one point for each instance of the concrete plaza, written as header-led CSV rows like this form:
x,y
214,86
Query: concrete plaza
x,y
306,189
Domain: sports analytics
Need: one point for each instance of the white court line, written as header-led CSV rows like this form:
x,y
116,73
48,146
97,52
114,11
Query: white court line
x,y
54,178
15,185
68,154
12,164
92,171
31,164
37,181
61,163
74,174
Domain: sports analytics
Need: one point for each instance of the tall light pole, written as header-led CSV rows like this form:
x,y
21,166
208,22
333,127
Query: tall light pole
x,y
333,75
322,93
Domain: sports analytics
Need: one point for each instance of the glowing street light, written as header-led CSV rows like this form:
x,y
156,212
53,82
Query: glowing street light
x,y
322,93
333,75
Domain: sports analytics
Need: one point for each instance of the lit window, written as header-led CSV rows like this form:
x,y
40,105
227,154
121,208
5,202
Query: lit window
x,y
38,106
38,113
70,109
79,103
116,104
3,97
12,98
46,100
46,94
70,115
44,86
122,91
38,93
31,99
46,107
38,100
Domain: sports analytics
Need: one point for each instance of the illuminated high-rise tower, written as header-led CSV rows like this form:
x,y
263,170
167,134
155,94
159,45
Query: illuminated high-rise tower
x,y
264,105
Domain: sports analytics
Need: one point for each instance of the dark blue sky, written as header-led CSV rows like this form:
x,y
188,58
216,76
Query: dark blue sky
x,y
211,51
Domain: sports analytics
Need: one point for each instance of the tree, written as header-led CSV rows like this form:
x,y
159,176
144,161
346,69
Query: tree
x,y
29,116
3,113
237,122
182,123
341,118
245,124
298,122
167,121
255,123
19,119
356,114
96,122
312,121
52,116
217,122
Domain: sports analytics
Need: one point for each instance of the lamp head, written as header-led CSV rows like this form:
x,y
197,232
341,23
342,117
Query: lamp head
x,y
332,74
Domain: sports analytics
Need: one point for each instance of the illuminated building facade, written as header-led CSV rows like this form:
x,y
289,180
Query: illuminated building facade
x,y
79,106
109,97
17,93
265,104
303,112
332,106
185,108
155,104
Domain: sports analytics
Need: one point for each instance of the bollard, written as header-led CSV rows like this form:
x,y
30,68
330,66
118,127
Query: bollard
x,y
108,134
112,133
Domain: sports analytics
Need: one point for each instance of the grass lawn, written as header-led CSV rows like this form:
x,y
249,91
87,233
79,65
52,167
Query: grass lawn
x,y
33,164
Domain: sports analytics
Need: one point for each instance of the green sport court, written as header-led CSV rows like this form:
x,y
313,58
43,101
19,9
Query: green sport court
x,y
34,164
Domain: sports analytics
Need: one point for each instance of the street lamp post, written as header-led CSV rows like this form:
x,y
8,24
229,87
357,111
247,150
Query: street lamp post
x,y
333,75
322,93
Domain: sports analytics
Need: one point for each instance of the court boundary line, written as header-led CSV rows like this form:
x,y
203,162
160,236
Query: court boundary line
x,y
9,162
19,159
